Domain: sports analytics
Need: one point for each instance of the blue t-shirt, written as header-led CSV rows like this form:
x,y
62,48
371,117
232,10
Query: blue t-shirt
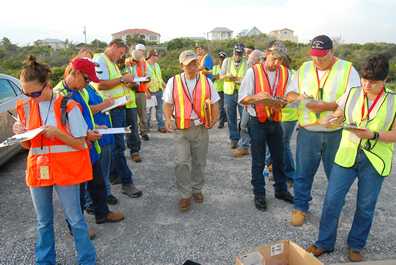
x,y
208,65
99,117
85,110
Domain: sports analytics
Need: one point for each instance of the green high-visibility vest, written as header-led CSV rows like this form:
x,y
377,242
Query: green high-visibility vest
x,y
230,86
334,87
380,155
218,83
130,92
156,83
289,113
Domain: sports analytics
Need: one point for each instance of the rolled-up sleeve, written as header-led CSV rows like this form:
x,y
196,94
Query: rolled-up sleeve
x,y
168,92
247,86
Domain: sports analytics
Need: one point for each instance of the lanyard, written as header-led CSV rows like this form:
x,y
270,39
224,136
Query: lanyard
x,y
365,101
320,88
46,119
272,87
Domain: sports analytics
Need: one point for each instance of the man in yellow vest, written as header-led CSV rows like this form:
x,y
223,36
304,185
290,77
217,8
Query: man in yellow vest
x,y
232,71
219,86
191,98
114,84
262,92
365,153
319,82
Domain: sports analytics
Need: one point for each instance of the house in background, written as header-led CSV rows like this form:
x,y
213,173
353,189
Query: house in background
x,y
53,43
220,33
284,35
145,34
250,33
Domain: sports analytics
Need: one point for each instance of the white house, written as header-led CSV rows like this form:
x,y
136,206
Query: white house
x,y
220,33
284,35
145,34
249,33
53,43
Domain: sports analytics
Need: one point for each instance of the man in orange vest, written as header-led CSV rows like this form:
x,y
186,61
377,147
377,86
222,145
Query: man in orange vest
x,y
191,98
262,91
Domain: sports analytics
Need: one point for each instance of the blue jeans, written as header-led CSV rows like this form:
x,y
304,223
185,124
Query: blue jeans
x,y
340,181
231,106
119,163
288,129
69,197
311,148
244,141
158,111
263,134
133,138
105,161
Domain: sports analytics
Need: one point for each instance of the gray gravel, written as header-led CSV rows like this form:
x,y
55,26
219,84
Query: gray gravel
x,y
154,231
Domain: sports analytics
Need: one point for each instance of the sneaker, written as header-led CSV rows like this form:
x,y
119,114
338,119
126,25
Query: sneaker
x,y
91,233
284,196
131,191
317,252
260,203
234,144
184,204
162,130
355,256
136,157
145,137
298,218
239,152
198,197
111,217
111,200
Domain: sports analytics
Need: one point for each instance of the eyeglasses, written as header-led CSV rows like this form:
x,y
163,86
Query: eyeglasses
x,y
35,94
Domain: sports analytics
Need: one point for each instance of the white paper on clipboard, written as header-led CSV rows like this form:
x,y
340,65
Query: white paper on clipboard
x,y
117,102
151,102
18,138
120,130
143,79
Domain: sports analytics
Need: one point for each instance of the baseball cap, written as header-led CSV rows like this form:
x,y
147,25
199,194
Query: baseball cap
x,y
321,45
222,54
239,48
140,47
278,49
187,57
87,67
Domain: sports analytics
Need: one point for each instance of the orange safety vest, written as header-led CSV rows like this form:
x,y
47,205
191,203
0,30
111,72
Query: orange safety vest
x,y
184,104
262,84
65,165
141,71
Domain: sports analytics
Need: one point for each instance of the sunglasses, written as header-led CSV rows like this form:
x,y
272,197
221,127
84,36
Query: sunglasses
x,y
86,79
35,94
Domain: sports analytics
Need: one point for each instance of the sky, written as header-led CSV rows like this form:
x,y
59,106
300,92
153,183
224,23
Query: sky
x,y
357,21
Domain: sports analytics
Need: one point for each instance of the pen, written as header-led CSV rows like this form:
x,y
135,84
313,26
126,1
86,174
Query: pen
x,y
12,115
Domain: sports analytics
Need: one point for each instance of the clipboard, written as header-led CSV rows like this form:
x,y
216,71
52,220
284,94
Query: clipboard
x,y
352,126
208,113
22,137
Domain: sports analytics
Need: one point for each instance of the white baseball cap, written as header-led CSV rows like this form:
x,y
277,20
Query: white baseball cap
x,y
140,47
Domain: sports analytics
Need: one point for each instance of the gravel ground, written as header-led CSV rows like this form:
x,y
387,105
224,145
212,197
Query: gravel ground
x,y
155,233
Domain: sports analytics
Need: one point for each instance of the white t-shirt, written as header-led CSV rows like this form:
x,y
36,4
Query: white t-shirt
x,y
248,87
168,92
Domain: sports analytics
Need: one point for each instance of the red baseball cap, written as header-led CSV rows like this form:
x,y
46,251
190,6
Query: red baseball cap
x,y
87,67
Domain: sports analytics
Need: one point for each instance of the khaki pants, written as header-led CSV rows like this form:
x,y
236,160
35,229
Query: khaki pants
x,y
142,112
191,154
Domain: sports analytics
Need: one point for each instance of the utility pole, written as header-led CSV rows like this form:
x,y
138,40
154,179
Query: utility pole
x,y
85,34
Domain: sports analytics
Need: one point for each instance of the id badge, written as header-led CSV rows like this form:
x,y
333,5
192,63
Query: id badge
x,y
43,167
44,173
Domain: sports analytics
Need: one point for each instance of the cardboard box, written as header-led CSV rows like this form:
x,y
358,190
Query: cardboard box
x,y
284,252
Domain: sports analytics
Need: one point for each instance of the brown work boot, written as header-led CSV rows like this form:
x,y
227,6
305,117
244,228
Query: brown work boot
x,y
198,197
354,255
317,251
184,204
239,152
162,130
298,218
111,217
91,233
136,157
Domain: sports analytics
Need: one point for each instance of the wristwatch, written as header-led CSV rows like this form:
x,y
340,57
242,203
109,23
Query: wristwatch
x,y
375,136
122,81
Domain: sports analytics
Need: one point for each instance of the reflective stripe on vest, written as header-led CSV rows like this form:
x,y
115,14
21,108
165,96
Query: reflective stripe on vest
x,y
184,104
85,96
262,84
380,155
229,86
54,149
156,77
218,83
335,87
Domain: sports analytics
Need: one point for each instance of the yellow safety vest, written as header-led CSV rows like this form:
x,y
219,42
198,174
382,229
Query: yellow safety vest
x,y
218,83
131,93
289,113
335,86
229,86
381,153
156,83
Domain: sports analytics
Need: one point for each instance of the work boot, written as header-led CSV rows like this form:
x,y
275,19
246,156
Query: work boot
x,y
355,256
260,203
198,197
91,233
184,204
131,191
234,144
284,196
221,125
317,251
111,217
298,218
239,152
145,137
136,157
162,130
111,200
115,180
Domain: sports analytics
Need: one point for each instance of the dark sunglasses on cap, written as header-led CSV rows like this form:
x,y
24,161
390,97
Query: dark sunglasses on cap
x,y
35,94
